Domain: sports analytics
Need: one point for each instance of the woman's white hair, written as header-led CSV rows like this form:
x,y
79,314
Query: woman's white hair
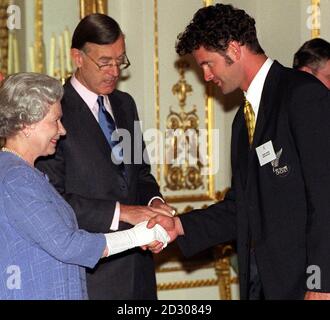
x,y
25,98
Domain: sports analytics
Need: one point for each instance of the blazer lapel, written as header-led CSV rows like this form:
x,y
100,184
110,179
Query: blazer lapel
x,y
118,112
240,140
121,123
270,99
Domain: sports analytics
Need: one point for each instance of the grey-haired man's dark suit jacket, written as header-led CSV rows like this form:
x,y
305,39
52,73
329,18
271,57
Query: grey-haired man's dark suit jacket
x,y
83,172
283,208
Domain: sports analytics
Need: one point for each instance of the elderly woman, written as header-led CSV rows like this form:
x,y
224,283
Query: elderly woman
x,y
42,251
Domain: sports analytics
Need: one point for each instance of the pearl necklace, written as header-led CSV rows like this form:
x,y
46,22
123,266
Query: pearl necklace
x,y
4,149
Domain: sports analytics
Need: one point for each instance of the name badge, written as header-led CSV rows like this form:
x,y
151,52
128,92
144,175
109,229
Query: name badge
x,y
266,153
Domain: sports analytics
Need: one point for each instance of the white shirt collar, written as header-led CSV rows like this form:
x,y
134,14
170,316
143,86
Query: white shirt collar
x,y
87,95
90,97
254,92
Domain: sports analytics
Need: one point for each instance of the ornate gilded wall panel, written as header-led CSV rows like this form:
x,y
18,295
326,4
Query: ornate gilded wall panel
x,y
184,127
186,173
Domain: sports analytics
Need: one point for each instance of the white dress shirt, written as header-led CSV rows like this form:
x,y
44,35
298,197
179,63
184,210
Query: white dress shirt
x,y
254,92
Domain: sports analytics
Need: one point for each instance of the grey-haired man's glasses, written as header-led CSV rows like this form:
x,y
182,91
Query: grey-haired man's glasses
x,y
121,63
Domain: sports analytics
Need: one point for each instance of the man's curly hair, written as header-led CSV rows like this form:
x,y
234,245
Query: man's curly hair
x,y
215,26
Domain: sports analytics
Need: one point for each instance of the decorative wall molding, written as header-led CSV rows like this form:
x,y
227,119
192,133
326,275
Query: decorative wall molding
x,y
218,264
208,3
93,6
181,179
3,36
183,125
316,23
156,76
39,48
187,284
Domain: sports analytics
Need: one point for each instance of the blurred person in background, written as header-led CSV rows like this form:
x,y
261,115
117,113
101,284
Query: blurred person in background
x,y
314,57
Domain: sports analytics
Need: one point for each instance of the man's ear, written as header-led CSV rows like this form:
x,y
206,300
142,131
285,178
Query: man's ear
x,y
307,69
234,50
76,56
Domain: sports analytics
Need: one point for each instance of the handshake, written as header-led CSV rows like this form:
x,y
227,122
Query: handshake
x,y
137,236
159,227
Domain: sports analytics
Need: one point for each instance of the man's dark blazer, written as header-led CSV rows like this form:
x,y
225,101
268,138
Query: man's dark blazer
x,y
282,208
83,172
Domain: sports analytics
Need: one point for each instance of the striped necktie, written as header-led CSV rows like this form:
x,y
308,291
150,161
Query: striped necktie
x,y
250,120
108,127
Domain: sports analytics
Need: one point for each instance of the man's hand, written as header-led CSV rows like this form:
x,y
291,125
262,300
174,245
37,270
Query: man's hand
x,y
136,214
317,296
172,226
158,204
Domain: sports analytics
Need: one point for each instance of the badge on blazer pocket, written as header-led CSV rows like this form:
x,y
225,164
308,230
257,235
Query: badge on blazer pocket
x,y
280,171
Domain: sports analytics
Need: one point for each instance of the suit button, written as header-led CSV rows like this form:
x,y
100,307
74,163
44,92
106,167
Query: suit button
x,y
123,187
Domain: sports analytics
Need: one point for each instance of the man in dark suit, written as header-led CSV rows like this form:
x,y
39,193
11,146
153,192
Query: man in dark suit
x,y
278,208
314,57
105,181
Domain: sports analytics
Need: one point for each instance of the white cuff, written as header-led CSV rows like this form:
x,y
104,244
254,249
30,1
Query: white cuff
x,y
152,199
116,217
